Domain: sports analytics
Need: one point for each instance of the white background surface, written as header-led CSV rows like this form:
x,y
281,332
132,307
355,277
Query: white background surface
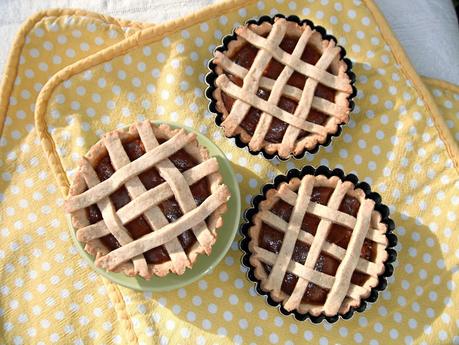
x,y
427,29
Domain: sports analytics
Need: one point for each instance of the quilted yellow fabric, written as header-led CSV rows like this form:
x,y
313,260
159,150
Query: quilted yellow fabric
x,y
74,75
446,96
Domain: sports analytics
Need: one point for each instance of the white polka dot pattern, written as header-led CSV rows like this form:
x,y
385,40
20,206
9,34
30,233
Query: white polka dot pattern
x,y
392,143
44,283
447,98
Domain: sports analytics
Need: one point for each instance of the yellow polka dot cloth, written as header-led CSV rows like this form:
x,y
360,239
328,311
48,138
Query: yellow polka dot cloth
x,y
74,75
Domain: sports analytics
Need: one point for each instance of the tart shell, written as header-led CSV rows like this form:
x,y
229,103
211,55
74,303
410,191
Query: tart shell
x,y
256,274
309,144
97,248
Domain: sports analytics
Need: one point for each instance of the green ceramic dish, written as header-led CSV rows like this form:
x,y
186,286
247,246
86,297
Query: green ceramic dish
x,y
204,263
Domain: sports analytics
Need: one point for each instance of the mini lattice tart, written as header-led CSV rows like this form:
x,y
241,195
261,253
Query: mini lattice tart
x,y
281,87
147,200
317,245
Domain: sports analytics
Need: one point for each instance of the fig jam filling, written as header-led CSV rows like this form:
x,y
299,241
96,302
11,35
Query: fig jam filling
x,y
245,57
271,239
150,179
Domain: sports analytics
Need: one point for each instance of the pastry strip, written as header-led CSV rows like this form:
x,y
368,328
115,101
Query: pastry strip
x,y
145,201
346,268
253,100
251,80
316,247
335,216
291,234
277,90
145,162
111,219
154,216
318,103
334,250
319,278
304,105
178,185
296,63
164,235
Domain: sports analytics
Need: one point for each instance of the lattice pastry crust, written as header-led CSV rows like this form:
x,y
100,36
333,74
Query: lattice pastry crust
x,y
245,96
343,294
128,258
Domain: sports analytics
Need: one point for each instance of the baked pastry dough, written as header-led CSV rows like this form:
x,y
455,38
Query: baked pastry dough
x,y
317,245
281,87
147,201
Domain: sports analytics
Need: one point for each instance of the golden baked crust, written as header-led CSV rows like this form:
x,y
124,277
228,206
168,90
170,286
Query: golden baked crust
x,y
75,204
343,294
338,111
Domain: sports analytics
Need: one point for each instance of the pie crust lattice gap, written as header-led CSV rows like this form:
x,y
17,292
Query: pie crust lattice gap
x,y
203,219
329,70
